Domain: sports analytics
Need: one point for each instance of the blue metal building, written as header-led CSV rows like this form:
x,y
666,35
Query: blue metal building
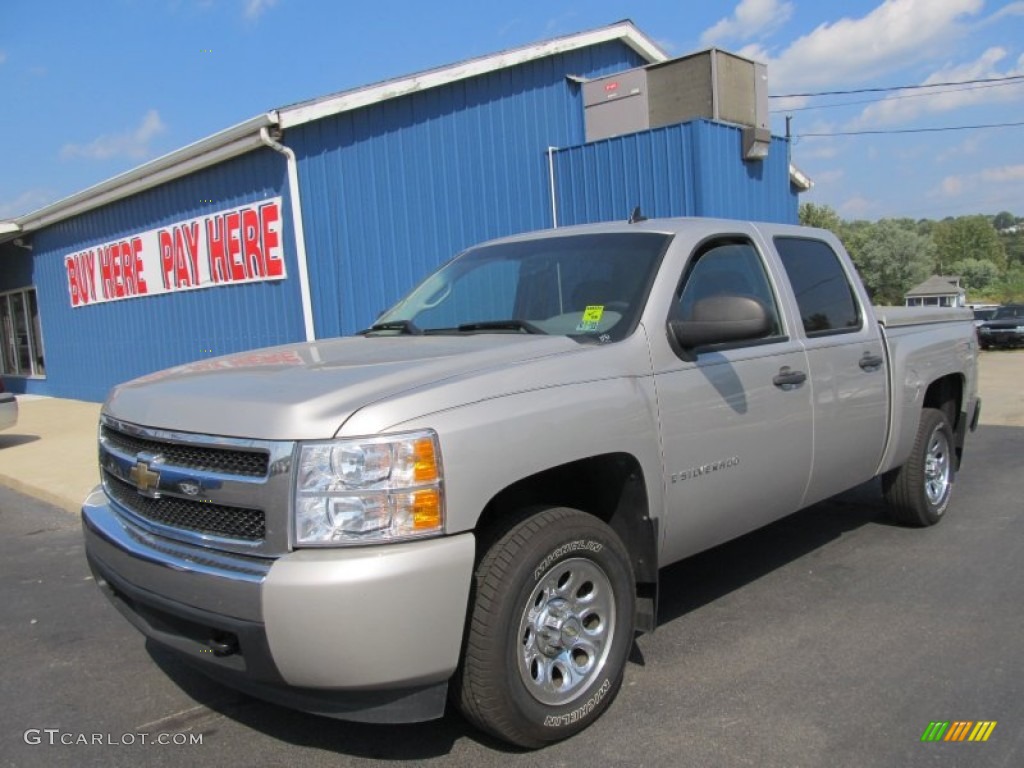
x,y
307,221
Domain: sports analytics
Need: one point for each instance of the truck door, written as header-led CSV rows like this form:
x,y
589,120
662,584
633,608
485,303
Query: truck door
x,y
848,373
735,418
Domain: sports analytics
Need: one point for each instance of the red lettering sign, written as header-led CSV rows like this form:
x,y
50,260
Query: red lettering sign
x,y
270,216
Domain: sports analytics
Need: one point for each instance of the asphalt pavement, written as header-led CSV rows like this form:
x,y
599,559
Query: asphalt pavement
x,y
830,638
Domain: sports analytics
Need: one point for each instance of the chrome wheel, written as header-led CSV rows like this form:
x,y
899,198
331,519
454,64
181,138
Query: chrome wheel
x,y
566,630
937,467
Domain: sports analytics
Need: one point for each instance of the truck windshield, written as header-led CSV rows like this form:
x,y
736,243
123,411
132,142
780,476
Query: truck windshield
x,y
589,287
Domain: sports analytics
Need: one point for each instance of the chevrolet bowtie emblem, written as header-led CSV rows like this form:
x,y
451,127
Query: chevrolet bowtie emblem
x,y
144,478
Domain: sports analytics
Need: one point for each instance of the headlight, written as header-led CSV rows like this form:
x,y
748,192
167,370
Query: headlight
x,y
368,490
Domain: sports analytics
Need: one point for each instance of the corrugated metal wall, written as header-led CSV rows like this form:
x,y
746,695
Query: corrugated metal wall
x,y
391,191
91,348
692,169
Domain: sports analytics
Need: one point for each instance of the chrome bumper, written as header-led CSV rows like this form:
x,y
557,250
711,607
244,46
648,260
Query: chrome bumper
x,y
367,633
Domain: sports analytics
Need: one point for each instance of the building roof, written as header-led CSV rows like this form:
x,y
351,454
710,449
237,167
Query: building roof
x,y
252,133
937,285
246,136
325,106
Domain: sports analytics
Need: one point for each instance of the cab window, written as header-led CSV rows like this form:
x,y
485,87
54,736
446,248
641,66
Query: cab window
x,y
730,268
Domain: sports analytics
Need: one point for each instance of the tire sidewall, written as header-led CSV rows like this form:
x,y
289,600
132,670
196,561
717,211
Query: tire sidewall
x,y
937,422
590,540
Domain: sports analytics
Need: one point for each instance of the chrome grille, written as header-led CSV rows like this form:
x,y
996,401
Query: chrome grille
x,y
196,516
227,461
227,494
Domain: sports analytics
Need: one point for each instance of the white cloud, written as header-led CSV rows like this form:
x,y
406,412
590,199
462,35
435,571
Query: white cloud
x,y
668,46
26,202
953,186
1010,9
3,57
256,8
854,50
902,107
133,144
752,18
968,146
1003,174
958,185
856,207
825,178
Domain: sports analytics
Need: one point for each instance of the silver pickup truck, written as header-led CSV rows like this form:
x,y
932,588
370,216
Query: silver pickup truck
x,y
471,500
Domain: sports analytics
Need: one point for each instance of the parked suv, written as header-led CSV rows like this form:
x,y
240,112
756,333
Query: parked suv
x,y
1004,329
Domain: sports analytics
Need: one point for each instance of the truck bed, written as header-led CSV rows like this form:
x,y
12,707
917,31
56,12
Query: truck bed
x,y
894,317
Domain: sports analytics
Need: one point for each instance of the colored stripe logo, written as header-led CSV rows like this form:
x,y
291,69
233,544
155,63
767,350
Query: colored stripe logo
x,y
958,730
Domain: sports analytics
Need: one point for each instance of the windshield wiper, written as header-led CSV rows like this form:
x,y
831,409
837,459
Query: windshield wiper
x,y
402,326
502,325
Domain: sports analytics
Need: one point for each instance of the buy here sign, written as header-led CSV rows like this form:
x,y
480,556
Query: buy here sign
x,y
238,245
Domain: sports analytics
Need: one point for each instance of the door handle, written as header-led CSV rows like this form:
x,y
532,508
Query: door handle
x,y
871,362
787,379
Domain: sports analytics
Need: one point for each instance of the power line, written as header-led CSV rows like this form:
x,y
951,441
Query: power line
x,y
896,98
909,130
896,88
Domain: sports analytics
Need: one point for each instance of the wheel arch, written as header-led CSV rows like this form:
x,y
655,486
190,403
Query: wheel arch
x,y
946,394
609,486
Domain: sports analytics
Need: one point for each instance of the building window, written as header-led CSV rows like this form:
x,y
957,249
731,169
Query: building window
x,y
21,339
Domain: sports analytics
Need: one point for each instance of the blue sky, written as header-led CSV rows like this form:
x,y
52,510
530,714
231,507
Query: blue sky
x,y
92,89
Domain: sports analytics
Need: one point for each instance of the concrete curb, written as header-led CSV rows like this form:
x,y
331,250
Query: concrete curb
x,y
50,454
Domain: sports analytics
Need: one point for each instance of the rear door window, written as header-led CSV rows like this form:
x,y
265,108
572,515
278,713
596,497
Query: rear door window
x,y
823,292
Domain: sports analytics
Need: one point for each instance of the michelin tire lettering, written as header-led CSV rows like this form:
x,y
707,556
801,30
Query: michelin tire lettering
x,y
572,546
555,721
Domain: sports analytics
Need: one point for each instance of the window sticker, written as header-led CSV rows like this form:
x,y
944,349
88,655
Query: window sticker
x,y
591,317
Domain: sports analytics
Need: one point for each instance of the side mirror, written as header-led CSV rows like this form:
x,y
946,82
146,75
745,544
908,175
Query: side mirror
x,y
721,319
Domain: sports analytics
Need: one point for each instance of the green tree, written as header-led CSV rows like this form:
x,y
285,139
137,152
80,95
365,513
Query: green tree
x,y
1011,287
1013,244
891,258
978,275
968,237
821,216
1003,220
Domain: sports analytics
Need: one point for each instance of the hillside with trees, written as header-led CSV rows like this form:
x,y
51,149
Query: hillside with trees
x,y
894,255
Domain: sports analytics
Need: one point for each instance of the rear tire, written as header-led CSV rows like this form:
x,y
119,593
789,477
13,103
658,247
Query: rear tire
x,y
550,628
918,493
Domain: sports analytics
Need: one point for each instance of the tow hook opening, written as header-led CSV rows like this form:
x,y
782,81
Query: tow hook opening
x,y
223,643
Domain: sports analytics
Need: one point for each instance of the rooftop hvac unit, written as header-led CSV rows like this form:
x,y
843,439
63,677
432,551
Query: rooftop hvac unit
x,y
711,84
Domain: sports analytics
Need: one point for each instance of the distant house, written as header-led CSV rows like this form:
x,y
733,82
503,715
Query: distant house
x,y
936,291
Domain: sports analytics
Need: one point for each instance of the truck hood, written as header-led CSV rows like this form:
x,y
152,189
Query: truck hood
x,y
307,391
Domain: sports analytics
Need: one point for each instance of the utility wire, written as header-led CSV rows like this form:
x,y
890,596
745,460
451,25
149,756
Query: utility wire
x,y
897,98
897,88
909,130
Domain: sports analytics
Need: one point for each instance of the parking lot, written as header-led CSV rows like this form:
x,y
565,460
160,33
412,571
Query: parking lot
x,y
829,638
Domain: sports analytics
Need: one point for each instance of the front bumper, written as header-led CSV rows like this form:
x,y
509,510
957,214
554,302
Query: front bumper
x,y
368,633
1001,337
8,410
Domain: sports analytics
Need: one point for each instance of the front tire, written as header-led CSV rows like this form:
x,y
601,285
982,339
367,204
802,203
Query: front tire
x,y
550,628
918,493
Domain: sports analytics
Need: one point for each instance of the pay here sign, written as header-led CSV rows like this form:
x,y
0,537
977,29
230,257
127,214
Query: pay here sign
x,y
238,245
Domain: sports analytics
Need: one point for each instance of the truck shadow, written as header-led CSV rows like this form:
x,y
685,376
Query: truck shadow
x,y
416,741
686,586
692,583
